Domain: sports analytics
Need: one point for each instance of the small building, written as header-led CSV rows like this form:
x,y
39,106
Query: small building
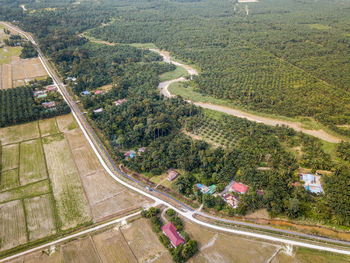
x,y
231,200
141,150
206,190
38,93
74,79
50,104
42,96
239,188
308,178
98,92
170,231
99,110
130,154
50,88
172,174
119,102
85,93
312,183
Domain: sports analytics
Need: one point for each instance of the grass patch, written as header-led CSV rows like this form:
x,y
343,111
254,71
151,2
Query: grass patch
x,y
48,127
6,53
319,27
19,133
307,255
10,154
175,74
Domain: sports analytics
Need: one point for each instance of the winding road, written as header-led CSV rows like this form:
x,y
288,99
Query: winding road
x,y
163,86
187,212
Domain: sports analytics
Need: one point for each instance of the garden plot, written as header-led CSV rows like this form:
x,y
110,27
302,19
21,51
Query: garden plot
x,y
12,225
32,162
10,154
40,217
112,247
48,127
19,133
144,242
71,203
40,257
80,251
9,179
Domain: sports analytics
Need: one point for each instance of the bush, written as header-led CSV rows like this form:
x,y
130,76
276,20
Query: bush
x,y
170,212
156,224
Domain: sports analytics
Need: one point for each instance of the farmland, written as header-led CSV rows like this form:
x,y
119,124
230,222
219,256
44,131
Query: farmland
x,y
15,71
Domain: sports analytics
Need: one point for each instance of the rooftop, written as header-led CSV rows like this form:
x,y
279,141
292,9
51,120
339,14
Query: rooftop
x,y
171,232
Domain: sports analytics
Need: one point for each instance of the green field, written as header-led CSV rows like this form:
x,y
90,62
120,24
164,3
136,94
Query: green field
x,y
7,52
32,162
306,255
175,74
10,156
9,179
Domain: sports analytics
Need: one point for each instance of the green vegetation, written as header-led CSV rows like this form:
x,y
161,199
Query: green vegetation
x,y
175,74
6,53
9,179
306,255
18,105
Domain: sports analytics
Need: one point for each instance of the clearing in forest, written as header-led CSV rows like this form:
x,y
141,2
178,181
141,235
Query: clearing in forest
x,y
72,206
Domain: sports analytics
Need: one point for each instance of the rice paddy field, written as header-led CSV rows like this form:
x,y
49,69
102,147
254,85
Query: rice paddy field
x,y
40,190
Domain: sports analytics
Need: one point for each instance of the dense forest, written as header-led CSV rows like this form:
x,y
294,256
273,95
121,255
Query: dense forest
x,y
259,56
18,105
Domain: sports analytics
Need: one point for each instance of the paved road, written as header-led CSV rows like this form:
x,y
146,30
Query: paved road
x,y
187,212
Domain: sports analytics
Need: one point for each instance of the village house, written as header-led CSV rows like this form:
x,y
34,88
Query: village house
x,y
130,154
50,104
239,188
99,110
141,150
85,93
206,190
50,88
119,102
312,183
170,231
231,200
98,92
172,174
39,92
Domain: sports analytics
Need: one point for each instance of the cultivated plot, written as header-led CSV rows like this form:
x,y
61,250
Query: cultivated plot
x,y
40,257
12,225
71,203
48,127
10,154
19,133
66,123
144,242
8,179
40,217
32,162
112,247
80,251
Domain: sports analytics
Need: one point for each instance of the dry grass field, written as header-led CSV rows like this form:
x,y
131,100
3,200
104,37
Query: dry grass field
x,y
32,162
66,123
221,247
48,127
144,242
72,206
12,225
18,133
40,217
106,197
80,251
112,247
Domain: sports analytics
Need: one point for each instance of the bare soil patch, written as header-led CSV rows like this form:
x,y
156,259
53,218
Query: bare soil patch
x,y
12,225
19,133
40,257
112,247
80,251
70,199
144,242
40,220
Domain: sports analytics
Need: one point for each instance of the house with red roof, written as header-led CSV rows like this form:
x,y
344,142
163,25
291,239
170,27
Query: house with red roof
x,y
239,188
170,231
